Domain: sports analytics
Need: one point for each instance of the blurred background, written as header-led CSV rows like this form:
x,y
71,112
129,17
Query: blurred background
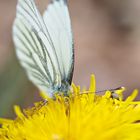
x,y
107,43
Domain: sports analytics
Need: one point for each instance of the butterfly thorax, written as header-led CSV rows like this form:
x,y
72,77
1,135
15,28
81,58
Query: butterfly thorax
x,y
63,89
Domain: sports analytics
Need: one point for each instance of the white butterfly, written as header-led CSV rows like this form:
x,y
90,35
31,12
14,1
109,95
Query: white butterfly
x,y
44,45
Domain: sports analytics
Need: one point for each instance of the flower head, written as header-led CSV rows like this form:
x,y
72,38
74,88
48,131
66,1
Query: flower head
x,y
81,116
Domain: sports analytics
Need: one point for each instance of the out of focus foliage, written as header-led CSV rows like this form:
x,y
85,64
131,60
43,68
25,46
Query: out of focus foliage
x,y
14,87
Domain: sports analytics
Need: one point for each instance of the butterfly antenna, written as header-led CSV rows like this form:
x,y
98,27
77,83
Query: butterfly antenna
x,y
100,91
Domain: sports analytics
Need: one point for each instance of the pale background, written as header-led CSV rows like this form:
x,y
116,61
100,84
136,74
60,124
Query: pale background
x,y
107,43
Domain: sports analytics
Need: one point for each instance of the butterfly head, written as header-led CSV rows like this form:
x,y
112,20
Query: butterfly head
x,y
63,89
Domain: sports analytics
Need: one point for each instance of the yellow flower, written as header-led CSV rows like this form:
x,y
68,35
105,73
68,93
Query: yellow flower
x,y
82,116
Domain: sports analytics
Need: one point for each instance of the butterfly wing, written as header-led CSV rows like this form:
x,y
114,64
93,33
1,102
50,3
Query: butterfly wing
x,y
36,48
57,19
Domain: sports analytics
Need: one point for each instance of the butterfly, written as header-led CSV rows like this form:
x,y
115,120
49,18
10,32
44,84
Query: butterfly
x,y
44,45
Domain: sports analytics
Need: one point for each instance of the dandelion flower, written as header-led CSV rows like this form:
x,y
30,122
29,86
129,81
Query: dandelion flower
x,y
77,117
